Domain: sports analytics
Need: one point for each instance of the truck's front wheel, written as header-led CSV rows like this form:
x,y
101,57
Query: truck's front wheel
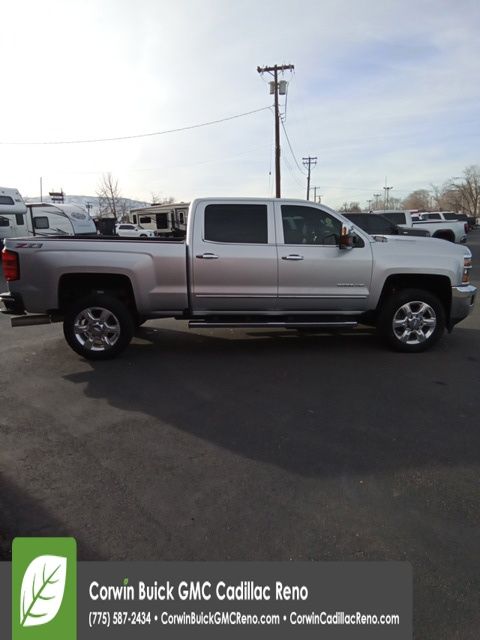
x,y
412,320
98,327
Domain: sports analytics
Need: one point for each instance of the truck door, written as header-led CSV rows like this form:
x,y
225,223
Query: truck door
x,y
233,257
313,273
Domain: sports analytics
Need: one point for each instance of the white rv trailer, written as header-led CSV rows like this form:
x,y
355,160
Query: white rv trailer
x,y
45,219
12,214
164,219
20,219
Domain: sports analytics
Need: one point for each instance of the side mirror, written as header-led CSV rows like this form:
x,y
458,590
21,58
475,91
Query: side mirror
x,y
346,240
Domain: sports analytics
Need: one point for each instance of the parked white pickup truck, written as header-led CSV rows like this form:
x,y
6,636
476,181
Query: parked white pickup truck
x,y
452,230
245,263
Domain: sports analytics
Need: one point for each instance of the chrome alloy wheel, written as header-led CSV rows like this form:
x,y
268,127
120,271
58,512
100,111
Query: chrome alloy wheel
x,y
96,328
414,322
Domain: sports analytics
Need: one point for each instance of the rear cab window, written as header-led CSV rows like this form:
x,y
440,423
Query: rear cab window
x,y
236,223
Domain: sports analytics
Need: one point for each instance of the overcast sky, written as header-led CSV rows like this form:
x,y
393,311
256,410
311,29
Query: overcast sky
x,y
380,88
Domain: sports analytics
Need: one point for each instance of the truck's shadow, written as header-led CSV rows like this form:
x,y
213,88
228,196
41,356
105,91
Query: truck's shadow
x,y
320,405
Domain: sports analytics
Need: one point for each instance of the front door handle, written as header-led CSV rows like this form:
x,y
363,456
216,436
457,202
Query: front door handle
x,y
293,256
208,256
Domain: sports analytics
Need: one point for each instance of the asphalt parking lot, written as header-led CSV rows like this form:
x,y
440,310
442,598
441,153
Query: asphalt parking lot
x,y
249,445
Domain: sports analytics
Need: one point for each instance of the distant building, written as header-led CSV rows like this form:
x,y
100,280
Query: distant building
x,y
57,196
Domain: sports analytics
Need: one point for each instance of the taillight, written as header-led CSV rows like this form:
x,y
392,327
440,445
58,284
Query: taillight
x,y
11,269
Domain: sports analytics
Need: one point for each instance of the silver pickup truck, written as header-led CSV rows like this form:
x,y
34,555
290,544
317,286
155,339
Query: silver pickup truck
x,y
245,263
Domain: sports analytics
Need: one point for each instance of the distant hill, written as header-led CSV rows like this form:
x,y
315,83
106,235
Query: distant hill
x,y
82,201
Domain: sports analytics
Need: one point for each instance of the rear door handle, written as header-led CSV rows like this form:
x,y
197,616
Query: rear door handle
x,y
208,256
293,256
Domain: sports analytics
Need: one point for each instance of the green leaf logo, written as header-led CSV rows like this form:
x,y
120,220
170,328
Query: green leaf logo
x,y
43,586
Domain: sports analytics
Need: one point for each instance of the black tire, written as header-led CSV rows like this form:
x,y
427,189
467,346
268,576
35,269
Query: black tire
x,y
116,325
407,335
139,321
444,236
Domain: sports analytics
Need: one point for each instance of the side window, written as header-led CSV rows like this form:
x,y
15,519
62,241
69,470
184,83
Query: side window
x,y
145,220
308,225
20,219
236,223
41,222
4,222
6,200
434,216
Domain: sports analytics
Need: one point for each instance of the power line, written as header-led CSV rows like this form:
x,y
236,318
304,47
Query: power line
x,y
141,135
291,149
292,172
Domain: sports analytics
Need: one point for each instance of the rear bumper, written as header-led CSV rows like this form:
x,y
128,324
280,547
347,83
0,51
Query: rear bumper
x,y
13,303
463,301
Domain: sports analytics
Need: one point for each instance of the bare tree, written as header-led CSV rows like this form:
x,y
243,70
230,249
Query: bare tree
x,y
354,207
465,195
419,199
109,197
394,203
159,199
438,196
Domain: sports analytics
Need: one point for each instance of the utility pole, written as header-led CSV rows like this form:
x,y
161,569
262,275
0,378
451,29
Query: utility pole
x,y
369,203
308,163
274,71
315,199
377,201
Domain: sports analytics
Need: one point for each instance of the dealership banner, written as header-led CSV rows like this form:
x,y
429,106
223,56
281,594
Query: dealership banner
x,y
46,594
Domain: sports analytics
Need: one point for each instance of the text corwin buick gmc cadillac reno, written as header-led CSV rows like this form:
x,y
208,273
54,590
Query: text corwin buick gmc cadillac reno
x,y
245,263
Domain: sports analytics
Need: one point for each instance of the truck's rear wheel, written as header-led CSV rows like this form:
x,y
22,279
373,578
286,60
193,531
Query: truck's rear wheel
x,y
412,320
445,235
98,327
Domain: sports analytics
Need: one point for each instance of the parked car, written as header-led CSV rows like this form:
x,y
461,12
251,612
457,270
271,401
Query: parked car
x,y
374,224
127,230
245,263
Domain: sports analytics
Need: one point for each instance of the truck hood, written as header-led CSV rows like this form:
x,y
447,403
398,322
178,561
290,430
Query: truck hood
x,y
418,245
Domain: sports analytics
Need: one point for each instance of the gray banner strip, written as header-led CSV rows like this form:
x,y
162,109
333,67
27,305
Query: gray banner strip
x,y
146,600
